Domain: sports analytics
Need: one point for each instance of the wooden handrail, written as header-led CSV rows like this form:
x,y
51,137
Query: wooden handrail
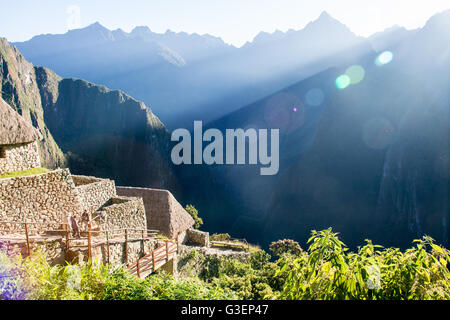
x,y
149,261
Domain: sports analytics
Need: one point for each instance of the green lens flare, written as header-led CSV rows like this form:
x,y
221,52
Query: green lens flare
x,y
384,58
343,82
356,74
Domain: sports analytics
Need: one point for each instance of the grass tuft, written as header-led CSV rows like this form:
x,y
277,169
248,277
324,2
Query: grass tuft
x,y
24,173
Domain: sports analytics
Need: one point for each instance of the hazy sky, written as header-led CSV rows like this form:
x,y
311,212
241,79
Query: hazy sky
x,y
235,21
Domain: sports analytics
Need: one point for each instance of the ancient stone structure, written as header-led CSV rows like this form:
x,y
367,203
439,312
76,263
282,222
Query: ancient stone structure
x,y
48,197
122,213
42,198
34,208
94,192
18,141
163,211
198,238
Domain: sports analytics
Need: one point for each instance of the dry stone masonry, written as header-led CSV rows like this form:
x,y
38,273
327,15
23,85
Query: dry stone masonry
x,y
19,157
42,198
18,141
123,213
94,192
163,211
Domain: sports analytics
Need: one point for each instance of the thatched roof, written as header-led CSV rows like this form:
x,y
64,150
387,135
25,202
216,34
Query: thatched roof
x,y
164,212
14,129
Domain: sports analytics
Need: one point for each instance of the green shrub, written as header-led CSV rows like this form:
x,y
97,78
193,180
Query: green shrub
x,y
194,214
121,285
329,271
285,246
220,237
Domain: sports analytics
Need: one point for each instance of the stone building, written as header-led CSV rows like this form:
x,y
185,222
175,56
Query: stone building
x,y
163,211
44,201
18,141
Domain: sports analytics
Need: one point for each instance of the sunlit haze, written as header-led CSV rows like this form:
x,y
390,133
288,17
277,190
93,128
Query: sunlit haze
x,y
235,21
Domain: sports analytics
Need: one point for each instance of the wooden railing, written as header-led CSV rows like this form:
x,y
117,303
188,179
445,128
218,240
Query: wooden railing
x,y
154,260
232,242
27,229
121,235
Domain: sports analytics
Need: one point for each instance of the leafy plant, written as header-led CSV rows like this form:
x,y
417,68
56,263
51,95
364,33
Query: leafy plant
x,y
220,237
285,246
194,214
326,270
329,271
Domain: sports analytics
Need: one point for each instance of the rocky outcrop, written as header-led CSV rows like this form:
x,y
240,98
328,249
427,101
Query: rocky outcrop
x,y
101,130
14,129
19,88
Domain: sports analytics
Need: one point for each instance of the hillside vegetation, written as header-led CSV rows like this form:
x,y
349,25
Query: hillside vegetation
x,y
327,270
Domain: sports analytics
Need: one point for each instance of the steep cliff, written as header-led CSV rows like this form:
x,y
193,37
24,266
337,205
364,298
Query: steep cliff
x,y
89,128
19,87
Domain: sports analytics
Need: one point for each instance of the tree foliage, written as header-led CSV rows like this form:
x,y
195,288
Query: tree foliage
x,y
285,246
329,271
194,214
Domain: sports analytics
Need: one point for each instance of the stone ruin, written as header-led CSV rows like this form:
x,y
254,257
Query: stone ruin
x,y
42,201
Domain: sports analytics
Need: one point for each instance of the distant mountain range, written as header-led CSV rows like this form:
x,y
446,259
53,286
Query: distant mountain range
x,y
186,77
370,158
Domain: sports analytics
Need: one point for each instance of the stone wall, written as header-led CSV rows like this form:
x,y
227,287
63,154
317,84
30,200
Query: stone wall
x,y
197,238
55,251
122,213
46,198
163,211
136,249
19,157
94,192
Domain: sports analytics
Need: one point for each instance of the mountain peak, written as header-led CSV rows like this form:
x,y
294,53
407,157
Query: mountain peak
x,y
440,20
96,26
326,22
325,16
141,31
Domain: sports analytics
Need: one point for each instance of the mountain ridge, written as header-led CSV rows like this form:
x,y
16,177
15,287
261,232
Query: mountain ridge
x,y
88,127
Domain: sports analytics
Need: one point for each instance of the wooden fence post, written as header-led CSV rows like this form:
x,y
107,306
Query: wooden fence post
x,y
143,242
67,239
28,239
153,261
126,246
107,244
138,269
167,250
89,242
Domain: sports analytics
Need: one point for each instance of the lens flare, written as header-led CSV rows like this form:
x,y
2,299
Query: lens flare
x,y
356,74
294,109
384,58
314,97
343,81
